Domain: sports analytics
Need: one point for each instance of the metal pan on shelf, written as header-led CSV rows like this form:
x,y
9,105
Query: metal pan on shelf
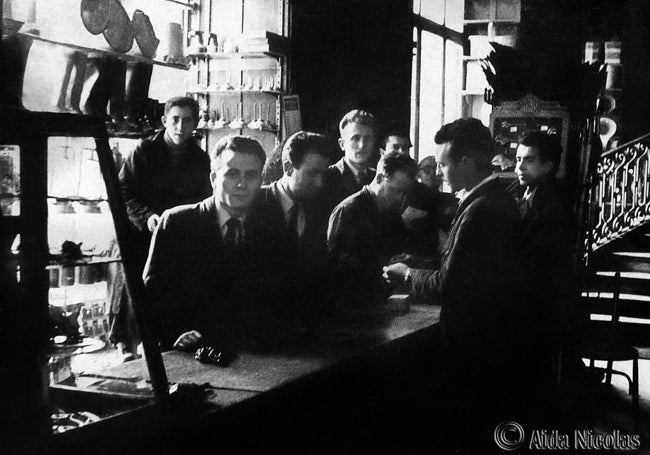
x,y
95,15
119,31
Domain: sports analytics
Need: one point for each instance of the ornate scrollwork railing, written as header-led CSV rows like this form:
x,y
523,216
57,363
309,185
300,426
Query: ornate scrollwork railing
x,y
623,191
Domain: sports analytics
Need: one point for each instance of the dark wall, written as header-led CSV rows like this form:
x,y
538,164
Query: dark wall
x,y
351,54
554,32
636,70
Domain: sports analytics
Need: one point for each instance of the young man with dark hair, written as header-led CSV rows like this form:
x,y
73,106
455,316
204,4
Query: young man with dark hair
x,y
365,231
481,286
358,130
212,265
479,283
548,233
165,170
299,221
396,141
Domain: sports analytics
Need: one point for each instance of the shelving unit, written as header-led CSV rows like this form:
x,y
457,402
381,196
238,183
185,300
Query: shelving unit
x,y
246,86
485,21
30,133
103,52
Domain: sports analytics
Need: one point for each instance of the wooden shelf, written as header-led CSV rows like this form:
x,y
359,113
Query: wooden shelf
x,y
488,21
214,92
273,131
235,55
107,53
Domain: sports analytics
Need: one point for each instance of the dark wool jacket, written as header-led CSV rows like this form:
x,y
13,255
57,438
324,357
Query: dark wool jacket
x,y
481,282
340,182
360,241
152,183
196,282
549,232
308,280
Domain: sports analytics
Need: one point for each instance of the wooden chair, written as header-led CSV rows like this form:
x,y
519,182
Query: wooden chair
x,y
603,341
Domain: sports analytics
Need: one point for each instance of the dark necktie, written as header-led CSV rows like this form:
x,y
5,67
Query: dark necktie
x,y
362,176
294,214
233,232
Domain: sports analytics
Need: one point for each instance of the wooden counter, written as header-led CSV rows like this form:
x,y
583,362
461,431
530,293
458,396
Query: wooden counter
x,y
342,361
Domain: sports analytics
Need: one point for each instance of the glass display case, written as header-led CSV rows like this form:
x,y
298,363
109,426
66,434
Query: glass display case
x,y
60,234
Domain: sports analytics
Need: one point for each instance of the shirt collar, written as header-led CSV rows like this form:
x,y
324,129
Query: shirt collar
x,y
224,216
354,170
464,194
286,201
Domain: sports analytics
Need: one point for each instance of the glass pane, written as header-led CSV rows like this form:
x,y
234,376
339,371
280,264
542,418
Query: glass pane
x,y
479,9
430,92
508,10
453,81
454,14
416,6
86,291
433,10
414,84
10,180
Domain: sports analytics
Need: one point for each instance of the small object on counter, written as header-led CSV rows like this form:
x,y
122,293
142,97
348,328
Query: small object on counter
x,y
399,303
214,355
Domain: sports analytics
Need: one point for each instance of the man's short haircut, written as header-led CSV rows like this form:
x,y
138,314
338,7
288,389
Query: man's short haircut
x,y
358,116
302,143
238,144
470,138
392,162
397,133
548,147
183,101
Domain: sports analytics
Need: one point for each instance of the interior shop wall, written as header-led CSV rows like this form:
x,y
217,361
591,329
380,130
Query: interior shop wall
x,y
352,54
556,32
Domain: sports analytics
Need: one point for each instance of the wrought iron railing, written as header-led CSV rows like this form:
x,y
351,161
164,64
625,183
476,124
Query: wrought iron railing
x,y
622,192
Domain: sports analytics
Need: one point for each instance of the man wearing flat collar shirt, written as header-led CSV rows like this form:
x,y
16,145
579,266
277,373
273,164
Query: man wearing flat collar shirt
x,y
358,130
366,232
480,280
212,265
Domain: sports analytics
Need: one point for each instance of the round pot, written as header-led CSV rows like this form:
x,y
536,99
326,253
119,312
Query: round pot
x,y
118,32
94,15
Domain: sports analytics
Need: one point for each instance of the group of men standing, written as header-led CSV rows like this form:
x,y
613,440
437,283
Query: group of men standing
x,y
243,261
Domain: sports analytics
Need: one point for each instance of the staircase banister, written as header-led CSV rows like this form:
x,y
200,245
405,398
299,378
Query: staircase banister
x,y
626,145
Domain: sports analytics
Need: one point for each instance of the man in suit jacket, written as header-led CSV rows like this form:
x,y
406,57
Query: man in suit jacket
x,y
366,230
358,130
299,222
211,265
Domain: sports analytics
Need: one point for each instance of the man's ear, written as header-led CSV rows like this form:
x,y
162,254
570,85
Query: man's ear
x,y
287,167
549,168
163,119
382,152
342,143
213,177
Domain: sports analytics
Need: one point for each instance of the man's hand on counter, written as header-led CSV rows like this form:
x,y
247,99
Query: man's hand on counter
x,y
187,340
396,273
